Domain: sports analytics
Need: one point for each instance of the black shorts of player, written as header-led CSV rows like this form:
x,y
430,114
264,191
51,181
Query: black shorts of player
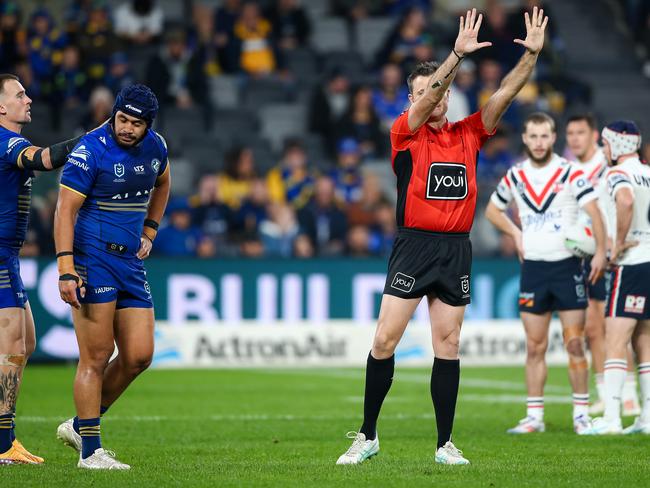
x,y
548,286
628,291
430,263
597,291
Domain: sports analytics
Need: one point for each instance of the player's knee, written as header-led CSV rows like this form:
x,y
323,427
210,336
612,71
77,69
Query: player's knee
x,y
138,364
97,357
383,346
536,349
574,348
30,347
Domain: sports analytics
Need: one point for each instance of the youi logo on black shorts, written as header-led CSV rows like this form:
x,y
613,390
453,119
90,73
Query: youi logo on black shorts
x,y
402,282
447,181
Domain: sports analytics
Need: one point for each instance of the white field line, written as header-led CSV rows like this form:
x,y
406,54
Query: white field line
x,y
468,397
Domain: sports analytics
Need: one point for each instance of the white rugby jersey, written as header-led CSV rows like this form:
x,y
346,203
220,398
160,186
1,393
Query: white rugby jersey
x,y
635,175
548,199
594,170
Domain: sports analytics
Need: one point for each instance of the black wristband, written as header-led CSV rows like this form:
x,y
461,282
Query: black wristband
x,y
152,224
149,238
457,55
69,277
59,151
64,253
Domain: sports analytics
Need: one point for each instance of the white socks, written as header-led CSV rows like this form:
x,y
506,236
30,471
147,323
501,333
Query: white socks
x,y
580,405
535,407
615,373
644,379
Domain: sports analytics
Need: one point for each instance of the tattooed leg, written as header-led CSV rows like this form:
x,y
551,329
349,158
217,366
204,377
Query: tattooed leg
x,y
10,369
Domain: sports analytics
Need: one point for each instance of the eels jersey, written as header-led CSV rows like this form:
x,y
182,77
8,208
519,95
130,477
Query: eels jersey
x,y
116,183
15,198
548,199
635,175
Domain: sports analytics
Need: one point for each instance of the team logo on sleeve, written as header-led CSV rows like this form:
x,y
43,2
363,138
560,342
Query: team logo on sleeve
x,y
402,282
155,165
447,181
118,168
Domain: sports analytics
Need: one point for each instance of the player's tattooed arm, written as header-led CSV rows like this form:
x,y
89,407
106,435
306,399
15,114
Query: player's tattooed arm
x,y
49,158
515,80
157,205
467,42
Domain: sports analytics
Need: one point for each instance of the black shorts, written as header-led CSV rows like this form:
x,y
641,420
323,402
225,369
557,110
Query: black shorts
x,y
628,291
430,263
597,291
547,286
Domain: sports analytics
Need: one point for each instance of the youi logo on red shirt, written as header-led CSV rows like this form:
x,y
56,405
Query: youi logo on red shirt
x,y
447,181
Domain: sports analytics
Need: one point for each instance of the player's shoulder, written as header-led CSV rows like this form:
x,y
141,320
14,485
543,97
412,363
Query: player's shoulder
x,y
98,138
158,140
10,139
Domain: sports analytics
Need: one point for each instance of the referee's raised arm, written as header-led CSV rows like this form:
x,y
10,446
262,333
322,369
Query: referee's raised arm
x,y
426,99
517,78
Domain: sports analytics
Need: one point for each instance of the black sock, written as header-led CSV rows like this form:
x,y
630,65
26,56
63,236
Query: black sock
x,y
445,377
379,377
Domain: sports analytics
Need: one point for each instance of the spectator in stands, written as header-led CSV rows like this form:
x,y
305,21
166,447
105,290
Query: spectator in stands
x,y
290,24
496,28
465,82
252,34
225,18
328,103
45,45
495,159
355,10
490,74
210,215
408,42
119,73
303,247
139,22
234,184
177,77
178,237
358,242
97,42
363,211
70,81
99,110
347,175
291,181
279,230
361,123
206,48
245,228
323,221
390,98
383,232
13,38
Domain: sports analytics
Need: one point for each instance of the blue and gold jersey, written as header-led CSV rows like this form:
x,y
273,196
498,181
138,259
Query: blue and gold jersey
x,y
16,194
117,183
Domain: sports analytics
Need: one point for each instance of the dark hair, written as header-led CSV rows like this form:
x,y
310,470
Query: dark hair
x,y
5,77
539,118
426,68
587,117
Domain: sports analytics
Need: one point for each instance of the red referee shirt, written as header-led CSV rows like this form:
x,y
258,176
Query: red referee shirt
x,y
436,173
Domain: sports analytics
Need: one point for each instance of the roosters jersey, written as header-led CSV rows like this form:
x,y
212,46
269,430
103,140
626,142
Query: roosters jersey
x,y
594,170
548,199
634,175
436,173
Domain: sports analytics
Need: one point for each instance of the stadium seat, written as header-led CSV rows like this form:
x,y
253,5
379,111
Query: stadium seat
x,y
316,9
224,90
302,63
181,121
348,62
370,34
330,34
258,93
234,124
279,121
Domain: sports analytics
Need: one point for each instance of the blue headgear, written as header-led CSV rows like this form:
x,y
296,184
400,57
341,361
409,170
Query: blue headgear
x,y
137,100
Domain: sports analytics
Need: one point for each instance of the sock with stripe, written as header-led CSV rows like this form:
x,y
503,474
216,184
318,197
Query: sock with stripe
x,y
379,377
75,421
629,387
6,421
12,434
90,437
644,380
600,386
535,408
580,405
615,373
445,378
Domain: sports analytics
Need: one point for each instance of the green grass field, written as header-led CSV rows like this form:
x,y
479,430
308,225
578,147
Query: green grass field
x,y
287,428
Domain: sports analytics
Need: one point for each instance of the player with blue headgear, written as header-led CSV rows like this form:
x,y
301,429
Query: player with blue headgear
x,y
114,190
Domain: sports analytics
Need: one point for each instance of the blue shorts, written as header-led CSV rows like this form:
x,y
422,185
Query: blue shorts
x,y
548,286
109,278
628,291
12,291
597,291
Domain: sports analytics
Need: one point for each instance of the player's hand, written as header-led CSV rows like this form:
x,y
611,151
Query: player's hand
x,y
535,27
68,284
619,249
598,266
145,247
467,40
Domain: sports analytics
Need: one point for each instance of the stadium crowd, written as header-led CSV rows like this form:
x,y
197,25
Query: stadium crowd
x,y
276,113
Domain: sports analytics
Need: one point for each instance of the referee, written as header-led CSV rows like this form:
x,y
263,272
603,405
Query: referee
x,y
435,164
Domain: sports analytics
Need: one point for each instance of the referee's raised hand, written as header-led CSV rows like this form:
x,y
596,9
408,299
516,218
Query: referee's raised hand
x,y
535,27
467,40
